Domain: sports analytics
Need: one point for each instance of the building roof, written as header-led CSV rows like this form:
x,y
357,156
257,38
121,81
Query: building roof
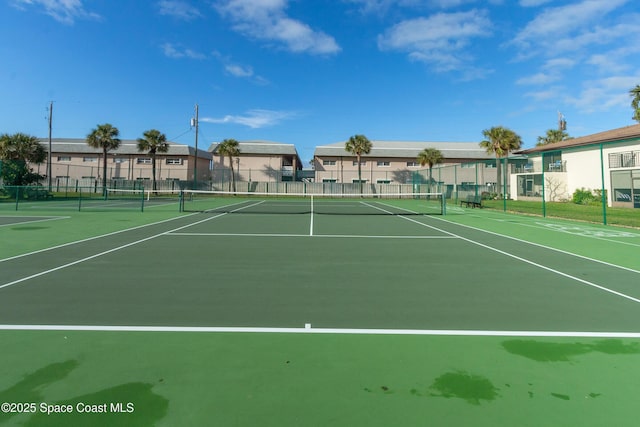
x,y
127,147
410,149
262,147
616,135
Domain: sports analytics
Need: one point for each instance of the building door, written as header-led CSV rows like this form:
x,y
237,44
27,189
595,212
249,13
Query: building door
x,y
529,187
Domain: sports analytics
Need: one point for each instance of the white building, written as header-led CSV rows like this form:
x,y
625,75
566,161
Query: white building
x,y
608,161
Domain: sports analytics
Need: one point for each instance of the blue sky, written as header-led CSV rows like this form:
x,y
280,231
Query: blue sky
x,y
313,72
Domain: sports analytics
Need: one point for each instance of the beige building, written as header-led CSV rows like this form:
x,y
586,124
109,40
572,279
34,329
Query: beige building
x,y
395,162
608,161
73,162
258,161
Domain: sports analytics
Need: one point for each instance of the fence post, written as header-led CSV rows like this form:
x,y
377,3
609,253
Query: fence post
x,y
603,198
544,202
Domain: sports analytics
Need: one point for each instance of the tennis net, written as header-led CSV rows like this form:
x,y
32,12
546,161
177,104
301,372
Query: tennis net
x,y
304,203
139,198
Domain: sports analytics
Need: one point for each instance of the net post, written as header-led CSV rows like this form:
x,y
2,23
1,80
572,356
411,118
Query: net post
x,y
181,201
142,201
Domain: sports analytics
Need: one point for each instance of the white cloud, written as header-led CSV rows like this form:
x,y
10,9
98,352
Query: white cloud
x,y
560,28
178,9
382,6
582,40
538,79
64,11
558,64
238,70
439,40
551,72
254,119
267,20
177,51
604,94
544,95
245,72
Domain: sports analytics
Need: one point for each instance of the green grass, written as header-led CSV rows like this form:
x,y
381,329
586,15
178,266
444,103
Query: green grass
x,y
567,210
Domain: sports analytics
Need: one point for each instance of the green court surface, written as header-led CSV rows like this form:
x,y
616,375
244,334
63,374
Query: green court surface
x,y
301,317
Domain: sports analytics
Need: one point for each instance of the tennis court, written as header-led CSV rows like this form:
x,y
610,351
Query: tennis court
x,y
282,311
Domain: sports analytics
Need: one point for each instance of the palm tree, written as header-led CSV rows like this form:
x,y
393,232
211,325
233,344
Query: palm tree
x,y
229,148
500,141
430,157
635,102
553,135
105,137
153,142
358,145
17,150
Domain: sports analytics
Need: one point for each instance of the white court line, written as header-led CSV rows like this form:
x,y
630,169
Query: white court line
x,y
309,330
542,227
343,236
535,264
60,267
544,246
103,235
544,267
93,238
238,234
42,273
51,218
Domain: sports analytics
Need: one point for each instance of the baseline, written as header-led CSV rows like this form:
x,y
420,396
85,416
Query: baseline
x,y
307,329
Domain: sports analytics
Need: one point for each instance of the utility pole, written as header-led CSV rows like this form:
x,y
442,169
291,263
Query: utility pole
x,y
49,156
562,123
194,123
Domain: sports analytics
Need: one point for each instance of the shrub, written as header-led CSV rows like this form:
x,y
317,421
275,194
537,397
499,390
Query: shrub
x,y
583,196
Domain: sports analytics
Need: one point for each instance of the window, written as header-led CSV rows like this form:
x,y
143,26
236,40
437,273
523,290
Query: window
x,y
119,160
89,159
64,158
624,160
622,185
143,179
359,181
88,177
413,164
467,165
384,163
362,162
466,185
174,161
383,181
143,160
329,162
329,180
